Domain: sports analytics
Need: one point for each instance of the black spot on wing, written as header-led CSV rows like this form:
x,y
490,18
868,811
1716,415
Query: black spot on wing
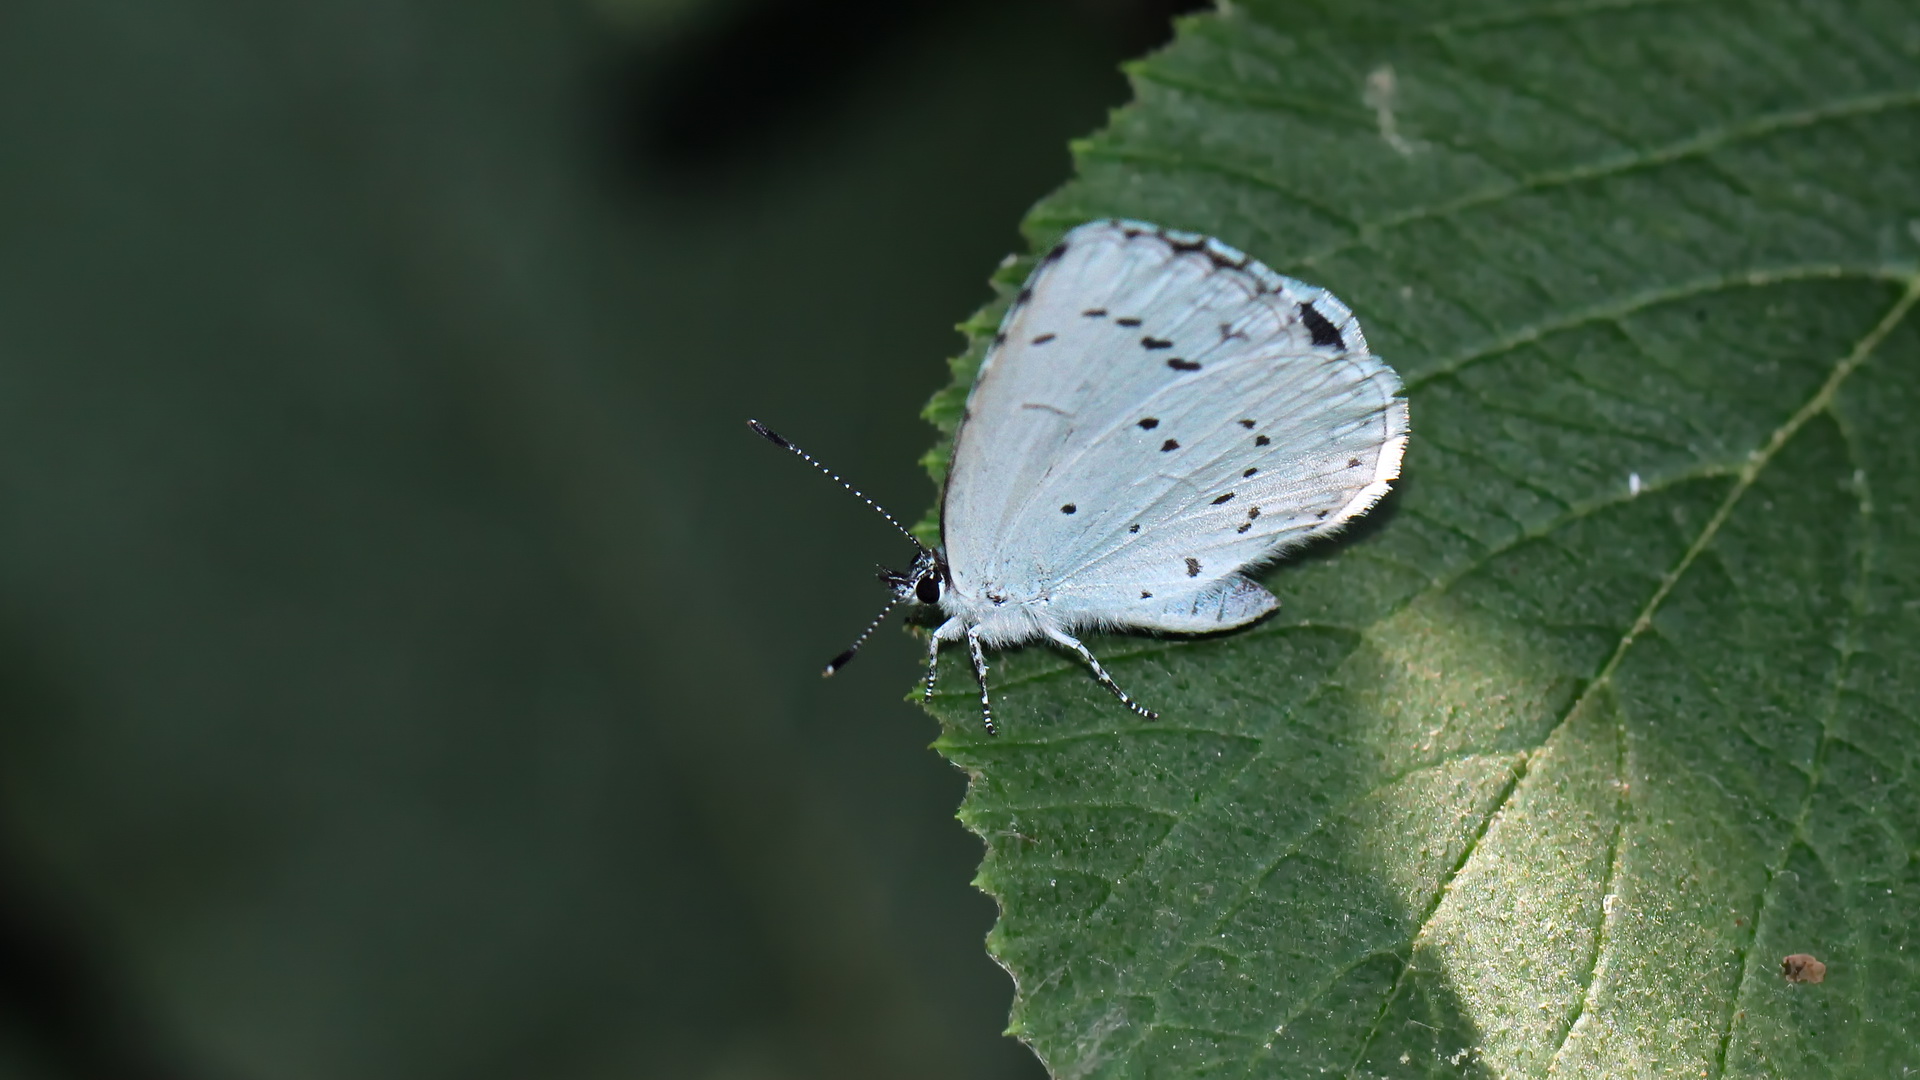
x,y
1248,424
1228,497
1148,423
1261,440
1244,526
1353,463
1068,508
1059,252
1151,342
1043,339
1170,444
1248,473
1126,322
1025,294
1178,364
1193,566
1095,313
1323,331
999,340
1134,529
1145,595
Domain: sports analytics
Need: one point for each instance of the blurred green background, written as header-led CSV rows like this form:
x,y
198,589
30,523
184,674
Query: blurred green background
x,y
409,659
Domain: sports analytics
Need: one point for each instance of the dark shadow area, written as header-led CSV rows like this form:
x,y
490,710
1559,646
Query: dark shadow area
x,y
63,1006
717,99
773,77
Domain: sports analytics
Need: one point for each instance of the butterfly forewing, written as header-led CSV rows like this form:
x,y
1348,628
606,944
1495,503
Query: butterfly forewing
x,y
1055,364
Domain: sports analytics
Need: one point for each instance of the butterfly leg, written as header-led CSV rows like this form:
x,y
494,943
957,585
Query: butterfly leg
x,y
947,631
1100,673
980,670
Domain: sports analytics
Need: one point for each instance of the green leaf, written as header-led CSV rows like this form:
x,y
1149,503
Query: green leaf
x,y
1547,765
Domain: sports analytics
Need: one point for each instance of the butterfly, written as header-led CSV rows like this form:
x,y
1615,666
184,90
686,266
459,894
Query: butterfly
x,y
1158,414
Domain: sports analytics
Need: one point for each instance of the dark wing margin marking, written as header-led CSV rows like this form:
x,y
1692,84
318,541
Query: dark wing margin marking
x,y
1323,331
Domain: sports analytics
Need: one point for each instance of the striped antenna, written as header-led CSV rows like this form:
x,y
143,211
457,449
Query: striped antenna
x,y
846,658
768,434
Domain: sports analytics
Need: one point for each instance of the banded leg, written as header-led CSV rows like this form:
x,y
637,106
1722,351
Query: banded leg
x,y
980,670
1100,673
933,653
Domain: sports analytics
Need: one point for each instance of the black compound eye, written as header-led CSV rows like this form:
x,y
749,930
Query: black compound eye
x,y
927,589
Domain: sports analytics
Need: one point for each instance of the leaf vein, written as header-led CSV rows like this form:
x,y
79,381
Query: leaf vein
x,y
1697,145
1615,855
1849,646
1617,309
1439,897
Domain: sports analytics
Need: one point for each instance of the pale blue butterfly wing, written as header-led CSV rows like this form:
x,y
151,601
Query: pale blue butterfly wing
x,y
1158,413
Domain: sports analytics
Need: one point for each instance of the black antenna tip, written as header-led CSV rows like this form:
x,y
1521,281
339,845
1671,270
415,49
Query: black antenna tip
x,y
837,663
766,433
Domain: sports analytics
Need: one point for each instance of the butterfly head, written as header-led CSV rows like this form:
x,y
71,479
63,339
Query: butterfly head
x,y
924,582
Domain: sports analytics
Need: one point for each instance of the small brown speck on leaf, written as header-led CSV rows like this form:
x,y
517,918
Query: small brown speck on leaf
x,y
1801,968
